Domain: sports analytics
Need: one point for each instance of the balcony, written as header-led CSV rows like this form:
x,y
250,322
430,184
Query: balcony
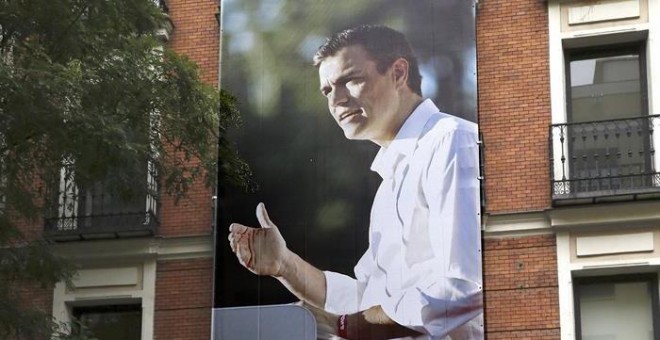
x,y
96,212
604,160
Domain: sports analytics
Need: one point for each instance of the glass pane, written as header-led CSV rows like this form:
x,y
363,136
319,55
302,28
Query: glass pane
x,y
616,311
605,88
111,322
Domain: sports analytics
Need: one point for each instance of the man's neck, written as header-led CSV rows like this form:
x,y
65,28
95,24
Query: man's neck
x,y
408,105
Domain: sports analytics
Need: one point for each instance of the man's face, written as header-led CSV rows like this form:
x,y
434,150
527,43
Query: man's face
x,y
362,101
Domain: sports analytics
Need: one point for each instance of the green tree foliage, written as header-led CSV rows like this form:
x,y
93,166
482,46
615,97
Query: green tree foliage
x,y
88,83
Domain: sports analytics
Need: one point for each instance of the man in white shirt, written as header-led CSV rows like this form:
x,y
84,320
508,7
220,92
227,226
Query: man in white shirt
x,y
421,275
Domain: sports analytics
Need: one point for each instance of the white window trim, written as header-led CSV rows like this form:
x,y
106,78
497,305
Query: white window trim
x,y
653,69
146,294
67,198
557,81
565,287
565,269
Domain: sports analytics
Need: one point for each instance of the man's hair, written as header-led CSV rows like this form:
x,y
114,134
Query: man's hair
x,y
383,44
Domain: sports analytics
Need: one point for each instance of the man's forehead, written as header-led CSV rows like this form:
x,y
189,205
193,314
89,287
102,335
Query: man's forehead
x,y
347,60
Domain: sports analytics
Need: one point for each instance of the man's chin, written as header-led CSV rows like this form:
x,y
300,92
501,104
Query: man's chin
x,y
352,134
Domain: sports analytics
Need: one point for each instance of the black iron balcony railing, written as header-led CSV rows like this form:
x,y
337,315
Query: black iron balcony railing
x,y
593,160
95,212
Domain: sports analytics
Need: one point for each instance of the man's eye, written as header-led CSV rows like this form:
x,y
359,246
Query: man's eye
x,y
354,81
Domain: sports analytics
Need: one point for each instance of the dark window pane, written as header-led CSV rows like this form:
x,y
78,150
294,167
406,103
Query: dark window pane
x,y
119,322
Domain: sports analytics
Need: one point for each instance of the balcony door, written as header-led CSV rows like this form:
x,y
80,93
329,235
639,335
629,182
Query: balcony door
x,y
608,134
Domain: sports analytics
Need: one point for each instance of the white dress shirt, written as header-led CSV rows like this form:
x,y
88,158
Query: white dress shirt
x,y
423,264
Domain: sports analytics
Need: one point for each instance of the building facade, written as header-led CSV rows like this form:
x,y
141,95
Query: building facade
x,y
568,119
571,218
145,266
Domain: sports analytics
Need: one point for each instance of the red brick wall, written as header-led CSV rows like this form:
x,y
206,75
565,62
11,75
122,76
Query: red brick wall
x,y
35,296
520,284
184,288
183,299
514,103
196,35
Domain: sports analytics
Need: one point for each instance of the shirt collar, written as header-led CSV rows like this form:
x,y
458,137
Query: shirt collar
x,y
405,141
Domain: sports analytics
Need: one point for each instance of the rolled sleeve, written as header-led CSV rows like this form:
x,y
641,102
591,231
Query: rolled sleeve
x,y
341,296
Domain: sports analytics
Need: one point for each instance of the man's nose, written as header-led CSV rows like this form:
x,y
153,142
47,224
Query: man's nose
x,y
338,96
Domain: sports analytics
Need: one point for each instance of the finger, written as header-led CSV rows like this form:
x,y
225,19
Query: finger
x,y
244,254
262,216
238,229
232,242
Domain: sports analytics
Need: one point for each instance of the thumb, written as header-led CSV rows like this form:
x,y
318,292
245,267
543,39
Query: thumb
x,y
263,218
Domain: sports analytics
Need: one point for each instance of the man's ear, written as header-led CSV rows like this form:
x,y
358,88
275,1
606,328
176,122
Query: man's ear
x,y
400,72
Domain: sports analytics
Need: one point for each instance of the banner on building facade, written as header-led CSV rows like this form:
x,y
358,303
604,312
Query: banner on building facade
x,y
361,171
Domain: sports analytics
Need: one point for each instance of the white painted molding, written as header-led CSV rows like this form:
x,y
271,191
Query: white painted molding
x,y
626,214
616,265
107,277
557,82
148,299
185,248
565,287
614,244
653,69
513,225
605,31
161,248
605,10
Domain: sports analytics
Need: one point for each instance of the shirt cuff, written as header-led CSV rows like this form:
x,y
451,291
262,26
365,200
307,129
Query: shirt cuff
x,y
341,295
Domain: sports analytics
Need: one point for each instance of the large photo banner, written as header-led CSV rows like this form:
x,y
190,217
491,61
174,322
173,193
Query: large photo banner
x,y
359,124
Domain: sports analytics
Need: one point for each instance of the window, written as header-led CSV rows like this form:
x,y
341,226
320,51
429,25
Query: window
x,y
616,307
607,141
123,203
98,208
115,322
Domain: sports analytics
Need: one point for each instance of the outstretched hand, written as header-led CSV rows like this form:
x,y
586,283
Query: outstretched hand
x,y
262,250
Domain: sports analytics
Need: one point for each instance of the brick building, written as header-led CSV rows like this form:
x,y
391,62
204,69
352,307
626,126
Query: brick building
x,y
566,111
146,275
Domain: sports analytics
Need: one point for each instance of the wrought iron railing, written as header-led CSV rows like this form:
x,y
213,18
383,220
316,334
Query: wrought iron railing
x,y
162,4
96,211
604,158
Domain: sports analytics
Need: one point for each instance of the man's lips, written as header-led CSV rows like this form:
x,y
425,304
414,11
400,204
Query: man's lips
x,y
347,114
